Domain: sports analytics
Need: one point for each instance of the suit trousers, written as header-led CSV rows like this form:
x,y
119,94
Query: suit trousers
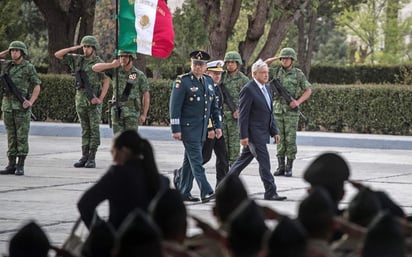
x,y
193,169
222,162
260,152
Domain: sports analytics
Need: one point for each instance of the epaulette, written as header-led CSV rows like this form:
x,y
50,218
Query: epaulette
x,y
183,75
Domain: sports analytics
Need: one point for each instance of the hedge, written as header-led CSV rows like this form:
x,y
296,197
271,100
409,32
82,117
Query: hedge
x,y
360,108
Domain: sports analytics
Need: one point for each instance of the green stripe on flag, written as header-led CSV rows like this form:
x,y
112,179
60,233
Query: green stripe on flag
x,y
127,31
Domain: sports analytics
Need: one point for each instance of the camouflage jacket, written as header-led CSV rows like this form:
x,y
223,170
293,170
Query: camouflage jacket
x,y
233,85
24,77
294,81
140,85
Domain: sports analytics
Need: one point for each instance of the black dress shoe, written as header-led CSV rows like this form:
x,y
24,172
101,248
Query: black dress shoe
x,y
275,197
190,198
208,197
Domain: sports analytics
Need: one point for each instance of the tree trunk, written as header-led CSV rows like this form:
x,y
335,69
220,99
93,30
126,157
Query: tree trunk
x,y
220,21
256,28
62,18
306,40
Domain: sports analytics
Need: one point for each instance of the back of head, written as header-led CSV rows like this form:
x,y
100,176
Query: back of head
x,y
330,171
100,241
363,207
229,195
138,236
30,240
316,213
288,239
246,229
384,238
142,151
169,212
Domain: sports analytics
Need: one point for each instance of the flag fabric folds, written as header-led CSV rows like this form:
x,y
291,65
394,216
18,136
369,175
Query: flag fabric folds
x,y
145,26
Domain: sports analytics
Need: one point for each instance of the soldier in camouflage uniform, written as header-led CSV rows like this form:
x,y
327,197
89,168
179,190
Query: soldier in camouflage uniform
x,y
133,92
16,114
295,82
88,104
233,80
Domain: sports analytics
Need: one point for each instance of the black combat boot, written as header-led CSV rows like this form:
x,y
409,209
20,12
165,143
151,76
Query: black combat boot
x,y
280,171
91,163
20,166
11,166
289,166
85,157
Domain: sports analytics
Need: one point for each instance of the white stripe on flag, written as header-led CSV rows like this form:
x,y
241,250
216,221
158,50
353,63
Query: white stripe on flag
x,y
145,12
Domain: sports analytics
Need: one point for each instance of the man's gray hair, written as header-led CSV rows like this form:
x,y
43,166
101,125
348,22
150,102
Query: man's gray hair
x,y
258,64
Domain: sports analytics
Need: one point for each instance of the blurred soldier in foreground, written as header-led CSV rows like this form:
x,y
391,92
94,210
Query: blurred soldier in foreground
x,y
91,89
18,79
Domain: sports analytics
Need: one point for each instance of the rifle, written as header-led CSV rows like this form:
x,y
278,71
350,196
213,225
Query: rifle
x,y
227,97
82,81
278,89
10,87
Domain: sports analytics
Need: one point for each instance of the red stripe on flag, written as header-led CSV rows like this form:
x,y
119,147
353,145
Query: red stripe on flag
x,y
163,35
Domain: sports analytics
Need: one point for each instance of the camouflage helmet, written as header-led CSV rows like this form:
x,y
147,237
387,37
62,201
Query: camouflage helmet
x,y
123,53
90,41
288,52
19,45
233,56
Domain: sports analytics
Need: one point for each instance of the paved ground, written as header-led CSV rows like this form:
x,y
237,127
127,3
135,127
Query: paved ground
x,y
51,187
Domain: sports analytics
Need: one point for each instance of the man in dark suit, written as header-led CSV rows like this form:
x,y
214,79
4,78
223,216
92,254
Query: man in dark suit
x,y
256,125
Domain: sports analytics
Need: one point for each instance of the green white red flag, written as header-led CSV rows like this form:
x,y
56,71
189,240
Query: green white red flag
x,y
145,26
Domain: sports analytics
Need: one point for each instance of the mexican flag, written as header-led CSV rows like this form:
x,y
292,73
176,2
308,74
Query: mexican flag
x,y
145,26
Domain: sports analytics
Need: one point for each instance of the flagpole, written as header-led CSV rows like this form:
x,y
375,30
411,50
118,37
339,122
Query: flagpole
x,y
117,112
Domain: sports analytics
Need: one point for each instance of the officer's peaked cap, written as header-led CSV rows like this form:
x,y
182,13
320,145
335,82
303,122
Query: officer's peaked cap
x,y
328,169
215,65
200,55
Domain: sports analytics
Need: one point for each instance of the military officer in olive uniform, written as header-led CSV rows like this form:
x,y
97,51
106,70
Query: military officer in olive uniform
x,y
232,82
89,96
16,113
192,102
133,92
287,118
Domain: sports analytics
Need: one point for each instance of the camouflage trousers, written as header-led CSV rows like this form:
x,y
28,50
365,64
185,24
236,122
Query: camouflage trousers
x,y
287,125
17,124
129,119
90,117
231,135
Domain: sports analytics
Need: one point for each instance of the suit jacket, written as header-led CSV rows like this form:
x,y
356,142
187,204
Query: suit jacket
x,y
256,120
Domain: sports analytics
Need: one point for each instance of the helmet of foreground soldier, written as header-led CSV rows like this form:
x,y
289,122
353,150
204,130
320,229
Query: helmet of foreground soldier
x,y
233,56
124,53
90,41
288,52
19,45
